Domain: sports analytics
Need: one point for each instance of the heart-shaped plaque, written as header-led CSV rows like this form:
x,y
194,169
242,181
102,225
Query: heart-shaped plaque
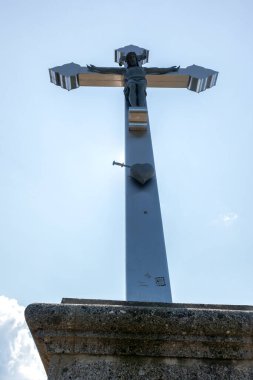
x,y
142,173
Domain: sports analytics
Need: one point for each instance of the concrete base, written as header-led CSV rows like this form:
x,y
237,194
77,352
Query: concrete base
x,y
92,339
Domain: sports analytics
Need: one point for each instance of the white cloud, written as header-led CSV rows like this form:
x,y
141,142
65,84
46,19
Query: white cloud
x,y
226,219
19,359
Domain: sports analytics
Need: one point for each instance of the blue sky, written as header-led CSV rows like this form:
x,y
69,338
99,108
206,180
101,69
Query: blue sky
x,y
62,202
62,213
62,218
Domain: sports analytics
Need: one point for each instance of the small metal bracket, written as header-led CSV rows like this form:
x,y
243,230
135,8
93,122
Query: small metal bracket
x,y
121,164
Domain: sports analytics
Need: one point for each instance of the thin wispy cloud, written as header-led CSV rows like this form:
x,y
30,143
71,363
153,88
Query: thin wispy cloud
x,y
19,359
226,219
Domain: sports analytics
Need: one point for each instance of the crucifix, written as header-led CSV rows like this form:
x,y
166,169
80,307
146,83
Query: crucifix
x,y
147,275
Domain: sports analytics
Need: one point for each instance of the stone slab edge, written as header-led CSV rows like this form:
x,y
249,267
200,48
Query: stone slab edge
x,y
121,328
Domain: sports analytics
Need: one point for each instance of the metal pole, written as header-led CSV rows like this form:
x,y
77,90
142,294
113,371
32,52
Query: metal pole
x,y
147,276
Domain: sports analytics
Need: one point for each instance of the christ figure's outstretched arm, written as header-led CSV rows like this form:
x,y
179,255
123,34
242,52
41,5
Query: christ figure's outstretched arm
x,y
159,71
106,70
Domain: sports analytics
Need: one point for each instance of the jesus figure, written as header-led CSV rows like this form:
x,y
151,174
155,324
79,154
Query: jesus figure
x,y
134,77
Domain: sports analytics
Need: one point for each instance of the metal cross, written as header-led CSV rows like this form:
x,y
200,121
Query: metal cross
x,y
147,276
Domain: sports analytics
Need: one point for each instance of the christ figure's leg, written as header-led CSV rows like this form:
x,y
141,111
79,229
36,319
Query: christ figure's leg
x,y
141,94
132,94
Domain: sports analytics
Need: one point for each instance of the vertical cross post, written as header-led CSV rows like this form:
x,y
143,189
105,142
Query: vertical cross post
x,y
147,275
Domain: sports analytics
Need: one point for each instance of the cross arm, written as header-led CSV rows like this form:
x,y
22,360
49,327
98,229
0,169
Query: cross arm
x,y
71,76
194,78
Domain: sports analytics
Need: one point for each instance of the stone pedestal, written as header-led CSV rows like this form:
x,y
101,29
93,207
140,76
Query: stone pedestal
x,y
88,339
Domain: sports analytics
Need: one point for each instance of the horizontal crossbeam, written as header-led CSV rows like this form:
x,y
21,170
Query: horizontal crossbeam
x,y
194,78
114,80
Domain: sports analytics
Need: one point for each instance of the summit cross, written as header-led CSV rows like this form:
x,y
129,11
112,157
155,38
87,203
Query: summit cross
x,y
147,275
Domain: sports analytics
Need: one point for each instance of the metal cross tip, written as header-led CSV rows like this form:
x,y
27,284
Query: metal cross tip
x,y
120,164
